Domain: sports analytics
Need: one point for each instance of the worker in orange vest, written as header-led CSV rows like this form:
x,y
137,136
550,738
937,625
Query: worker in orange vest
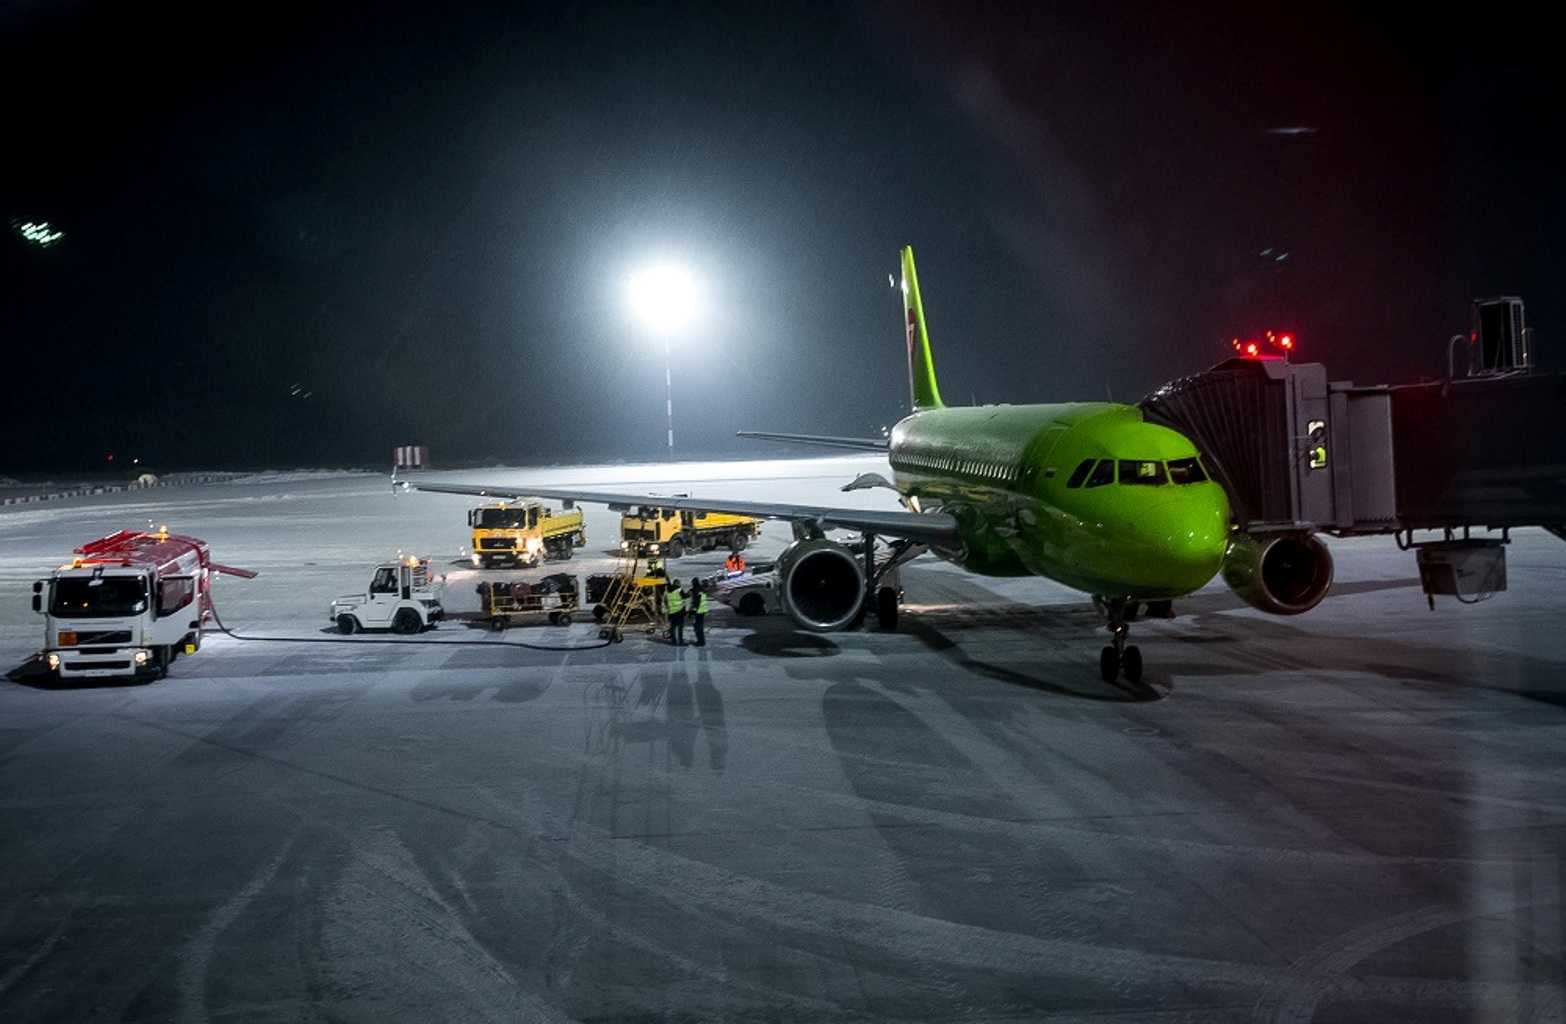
x,y
734,563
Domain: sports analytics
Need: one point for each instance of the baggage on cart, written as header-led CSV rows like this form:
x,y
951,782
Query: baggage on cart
x,y
553,598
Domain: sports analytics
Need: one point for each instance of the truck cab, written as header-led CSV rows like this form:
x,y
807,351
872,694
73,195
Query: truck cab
x,y
523,534
649,530
105,621
401,597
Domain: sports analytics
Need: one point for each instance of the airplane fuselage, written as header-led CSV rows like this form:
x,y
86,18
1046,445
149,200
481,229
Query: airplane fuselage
x,y
1013,476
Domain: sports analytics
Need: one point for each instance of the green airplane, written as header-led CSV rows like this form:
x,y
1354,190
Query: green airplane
x,y
1084,493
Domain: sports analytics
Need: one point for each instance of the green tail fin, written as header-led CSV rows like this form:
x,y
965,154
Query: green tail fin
x,y
921,368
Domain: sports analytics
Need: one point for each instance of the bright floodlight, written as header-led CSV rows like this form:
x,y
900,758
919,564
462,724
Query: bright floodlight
x,y
665,298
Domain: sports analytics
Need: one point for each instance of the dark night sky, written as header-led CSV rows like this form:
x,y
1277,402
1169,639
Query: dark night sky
x,y
424,218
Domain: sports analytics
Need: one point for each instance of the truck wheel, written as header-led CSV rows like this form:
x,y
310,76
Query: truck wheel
x,y
564,551
886,607
497,623
676,548
346,624
738,541
406,621
565,619
752,604
600,613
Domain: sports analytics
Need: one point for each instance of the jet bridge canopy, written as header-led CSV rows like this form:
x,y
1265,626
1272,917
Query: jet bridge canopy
x,y
1295,451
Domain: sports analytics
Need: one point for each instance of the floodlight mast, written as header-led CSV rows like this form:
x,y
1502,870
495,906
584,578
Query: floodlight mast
x,y
664,298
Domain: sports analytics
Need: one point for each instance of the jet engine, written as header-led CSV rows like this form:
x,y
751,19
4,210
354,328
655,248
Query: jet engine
x,y
822,584
1283,573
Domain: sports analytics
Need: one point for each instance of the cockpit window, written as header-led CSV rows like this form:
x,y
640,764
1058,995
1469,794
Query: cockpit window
x,y
1080,473
1103,473
1133,471
1186,471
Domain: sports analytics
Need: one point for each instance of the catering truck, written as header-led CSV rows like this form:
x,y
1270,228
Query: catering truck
x,y
127,604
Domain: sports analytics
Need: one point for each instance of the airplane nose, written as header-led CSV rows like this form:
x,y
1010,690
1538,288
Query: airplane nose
x,y
1191,534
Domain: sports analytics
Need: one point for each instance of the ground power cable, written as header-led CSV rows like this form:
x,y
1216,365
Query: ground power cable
x,y
523,644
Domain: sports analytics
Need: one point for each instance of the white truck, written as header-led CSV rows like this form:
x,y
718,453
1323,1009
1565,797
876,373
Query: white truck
x,y
127,604
402,597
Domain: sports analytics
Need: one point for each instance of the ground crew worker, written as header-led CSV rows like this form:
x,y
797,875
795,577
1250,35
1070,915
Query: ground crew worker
x,y
734,563
674,604
699,610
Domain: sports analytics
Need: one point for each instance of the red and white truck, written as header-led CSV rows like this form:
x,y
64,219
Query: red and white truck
x,y
127,604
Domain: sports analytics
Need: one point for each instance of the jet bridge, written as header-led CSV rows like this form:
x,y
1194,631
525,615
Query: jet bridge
x,y
1482,450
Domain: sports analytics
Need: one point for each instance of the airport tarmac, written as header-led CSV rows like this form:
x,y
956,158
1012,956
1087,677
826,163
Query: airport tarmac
x,y
1353,815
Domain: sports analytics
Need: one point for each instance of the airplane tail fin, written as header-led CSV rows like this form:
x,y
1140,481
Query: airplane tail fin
x,y
921,368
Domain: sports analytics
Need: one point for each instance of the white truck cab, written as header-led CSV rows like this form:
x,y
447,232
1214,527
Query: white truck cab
x,y
401,597
127,605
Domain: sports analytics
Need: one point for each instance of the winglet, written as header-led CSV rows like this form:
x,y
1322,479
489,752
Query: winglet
x,y
921,367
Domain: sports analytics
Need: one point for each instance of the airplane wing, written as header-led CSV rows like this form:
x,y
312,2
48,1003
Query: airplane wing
x,y
861,444
936,528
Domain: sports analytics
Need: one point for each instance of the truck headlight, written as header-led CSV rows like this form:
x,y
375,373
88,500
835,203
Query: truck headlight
x,y
653,548
475,558
141,657
624,544
53,661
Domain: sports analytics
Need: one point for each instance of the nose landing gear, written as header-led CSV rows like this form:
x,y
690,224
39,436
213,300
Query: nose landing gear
x,y
1119,657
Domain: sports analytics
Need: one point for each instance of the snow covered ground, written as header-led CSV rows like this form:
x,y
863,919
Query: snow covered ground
x,y
1348,815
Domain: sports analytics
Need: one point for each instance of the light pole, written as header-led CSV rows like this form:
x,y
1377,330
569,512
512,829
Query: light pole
x,y
665,299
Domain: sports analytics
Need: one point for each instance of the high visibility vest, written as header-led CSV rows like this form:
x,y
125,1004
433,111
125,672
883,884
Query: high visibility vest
x,y
674,601
701,603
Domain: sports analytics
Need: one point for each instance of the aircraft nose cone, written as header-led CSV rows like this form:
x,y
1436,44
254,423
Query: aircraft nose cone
x,y
1190,535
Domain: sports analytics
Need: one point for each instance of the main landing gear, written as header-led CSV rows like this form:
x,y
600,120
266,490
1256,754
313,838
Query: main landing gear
x,y
1119,657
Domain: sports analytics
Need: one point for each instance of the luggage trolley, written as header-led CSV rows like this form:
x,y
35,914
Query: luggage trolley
x,y
554,598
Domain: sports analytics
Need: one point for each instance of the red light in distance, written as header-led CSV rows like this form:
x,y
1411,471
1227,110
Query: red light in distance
x,y
1251,348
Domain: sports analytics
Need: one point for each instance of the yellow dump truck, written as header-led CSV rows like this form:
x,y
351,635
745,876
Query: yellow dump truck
x,y
524,534
650,530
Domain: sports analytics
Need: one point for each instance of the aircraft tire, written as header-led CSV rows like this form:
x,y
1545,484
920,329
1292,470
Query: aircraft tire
x,y
1108,664
1131,664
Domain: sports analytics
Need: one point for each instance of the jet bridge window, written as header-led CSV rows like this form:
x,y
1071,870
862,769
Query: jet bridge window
x,y
1186,471
1142,471
1080,473
1103,473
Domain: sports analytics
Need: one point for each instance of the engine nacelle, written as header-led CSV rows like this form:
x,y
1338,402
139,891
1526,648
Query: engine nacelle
x,y
821,583
1283,573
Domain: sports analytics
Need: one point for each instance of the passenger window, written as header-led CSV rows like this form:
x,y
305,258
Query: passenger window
x,y
1080,473
1103,473
1142,472
385,581
175,593
1186,471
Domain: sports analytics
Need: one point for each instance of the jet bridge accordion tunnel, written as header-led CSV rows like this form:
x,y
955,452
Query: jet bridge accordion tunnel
x,y
1299,454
